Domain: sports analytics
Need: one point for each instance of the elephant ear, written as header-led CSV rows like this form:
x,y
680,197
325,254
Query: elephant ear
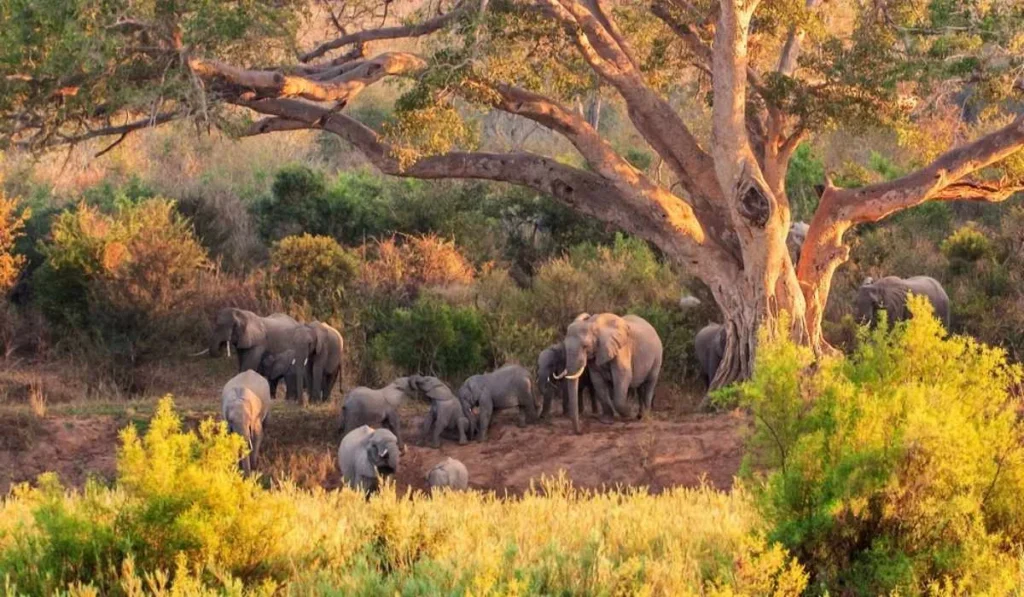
x,y
612,336
249,330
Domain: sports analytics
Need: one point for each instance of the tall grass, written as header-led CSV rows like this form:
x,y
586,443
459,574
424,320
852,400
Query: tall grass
x,y
181,520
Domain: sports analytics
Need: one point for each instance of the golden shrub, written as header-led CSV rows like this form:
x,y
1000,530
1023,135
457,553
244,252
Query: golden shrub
x,y
11,225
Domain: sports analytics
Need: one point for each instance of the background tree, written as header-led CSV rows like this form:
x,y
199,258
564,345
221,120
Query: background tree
x,y
764,73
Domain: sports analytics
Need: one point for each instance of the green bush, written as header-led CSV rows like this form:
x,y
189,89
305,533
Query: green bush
x,y
181,520
898,469
435,338
295,205
804,175
965,246
313,272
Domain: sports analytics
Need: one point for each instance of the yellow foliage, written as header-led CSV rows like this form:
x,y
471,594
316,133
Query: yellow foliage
x,y
11,225
181,520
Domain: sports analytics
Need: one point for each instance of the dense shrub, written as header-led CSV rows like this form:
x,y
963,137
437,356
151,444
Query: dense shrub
x,y
806,171
966,246
399,266
899,468
435,338
181,520
314,272
130,284
12,224
224,225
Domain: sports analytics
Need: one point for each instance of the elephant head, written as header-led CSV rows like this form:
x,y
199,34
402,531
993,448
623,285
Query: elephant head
x,y
871,298
243,329
598,339
795,239
382,452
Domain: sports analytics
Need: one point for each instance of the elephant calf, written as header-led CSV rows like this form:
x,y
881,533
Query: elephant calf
x,y
448,473
379,408
709,345
447,413
245,404
505,388
365,455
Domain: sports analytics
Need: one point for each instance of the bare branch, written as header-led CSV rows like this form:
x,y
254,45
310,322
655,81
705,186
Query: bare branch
x,y
791,49
361,37
943,179
109,131
341,88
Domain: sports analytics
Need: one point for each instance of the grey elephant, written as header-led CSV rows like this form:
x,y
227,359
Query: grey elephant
x,y
551,382
245,405
447,413
890,295
365,455
504,388
378,408
709,344
255,338
324,367
448,473
795,239
618,353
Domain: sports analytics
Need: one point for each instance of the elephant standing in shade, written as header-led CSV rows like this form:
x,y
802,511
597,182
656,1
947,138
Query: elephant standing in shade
x,y
253,338
618,353
447,412
505,388
551,382
710,348
890,295
365,455
245,404
377,408
324,367
448,473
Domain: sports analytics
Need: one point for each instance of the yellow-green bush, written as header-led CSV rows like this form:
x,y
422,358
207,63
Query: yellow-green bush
x,y
314,271
900,468
11,225
181,519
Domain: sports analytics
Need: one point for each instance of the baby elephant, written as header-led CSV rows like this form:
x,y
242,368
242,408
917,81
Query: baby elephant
x,y
378,408
447,413
507,387
365,454
448,473
245,404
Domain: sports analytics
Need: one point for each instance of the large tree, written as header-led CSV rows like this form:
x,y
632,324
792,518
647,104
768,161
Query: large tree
x,y
764,73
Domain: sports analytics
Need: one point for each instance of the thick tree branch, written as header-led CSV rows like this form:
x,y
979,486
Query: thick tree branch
x,y
108,131
655,215
340,89
788,58
405,31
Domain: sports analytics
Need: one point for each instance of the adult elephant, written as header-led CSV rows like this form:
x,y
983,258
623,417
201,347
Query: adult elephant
x,y
551,381
618,353
506,388
795,239
890,295
709,344
259,341
324,367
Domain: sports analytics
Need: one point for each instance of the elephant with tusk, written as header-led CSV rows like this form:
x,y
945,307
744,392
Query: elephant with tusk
x,y
890,295
551,381
365,455
617,353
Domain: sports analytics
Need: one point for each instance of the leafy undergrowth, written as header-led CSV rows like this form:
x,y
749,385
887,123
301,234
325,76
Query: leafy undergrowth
x,y
180,520
898,469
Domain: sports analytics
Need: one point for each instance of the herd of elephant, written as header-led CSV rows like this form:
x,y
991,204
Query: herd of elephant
x,y
605,355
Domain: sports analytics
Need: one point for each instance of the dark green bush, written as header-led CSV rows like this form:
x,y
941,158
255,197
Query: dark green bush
x,y
433,337
804,175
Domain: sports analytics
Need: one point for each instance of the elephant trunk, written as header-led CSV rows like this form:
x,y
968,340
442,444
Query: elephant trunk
x,y
573,386
217,341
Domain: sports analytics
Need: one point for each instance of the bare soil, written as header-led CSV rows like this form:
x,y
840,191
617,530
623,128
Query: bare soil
x,y
78,439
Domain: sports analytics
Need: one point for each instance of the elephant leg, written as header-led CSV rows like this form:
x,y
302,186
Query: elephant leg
x,y
439,426
486,410
565,397
521,416
250,358
527,403
601,389
257,441
545,405
316,381
273,389
463,423
646,391
620,393
392,422
247,459
329,380
426,428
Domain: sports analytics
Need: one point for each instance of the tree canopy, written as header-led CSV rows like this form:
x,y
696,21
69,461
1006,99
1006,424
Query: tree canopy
x,y
722,91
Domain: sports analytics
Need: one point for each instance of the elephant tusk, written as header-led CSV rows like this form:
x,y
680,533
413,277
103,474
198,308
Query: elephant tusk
x,y
578,373
560,375
304,362
293,362
200,353
229,350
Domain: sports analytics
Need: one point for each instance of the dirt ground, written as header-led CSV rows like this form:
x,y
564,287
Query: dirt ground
x,y
79,439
